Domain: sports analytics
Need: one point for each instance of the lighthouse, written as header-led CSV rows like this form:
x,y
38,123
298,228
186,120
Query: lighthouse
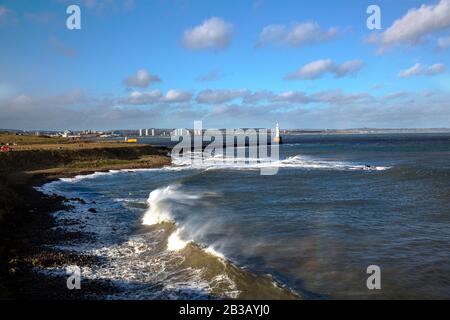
x,y
277,138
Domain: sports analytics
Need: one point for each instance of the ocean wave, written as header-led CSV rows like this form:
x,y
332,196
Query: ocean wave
x,y
216,162
88,176
310,163
151,265
159,211
163,261
175,242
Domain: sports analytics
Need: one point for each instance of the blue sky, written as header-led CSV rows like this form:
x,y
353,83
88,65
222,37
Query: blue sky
x,y
55,78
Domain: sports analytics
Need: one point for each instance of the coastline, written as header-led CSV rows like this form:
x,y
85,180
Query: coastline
x,y
225,275
27,224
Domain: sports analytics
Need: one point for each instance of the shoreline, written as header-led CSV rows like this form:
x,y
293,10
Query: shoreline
x,y
27,224
197,256
37,249
22,281
31,233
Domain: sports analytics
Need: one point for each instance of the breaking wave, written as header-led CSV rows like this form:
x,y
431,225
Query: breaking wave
x,y
199,161
160,261
167,258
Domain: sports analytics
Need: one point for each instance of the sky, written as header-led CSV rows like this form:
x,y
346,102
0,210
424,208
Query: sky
x,y
166,63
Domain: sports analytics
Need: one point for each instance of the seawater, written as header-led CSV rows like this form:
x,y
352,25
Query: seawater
x,y
338,204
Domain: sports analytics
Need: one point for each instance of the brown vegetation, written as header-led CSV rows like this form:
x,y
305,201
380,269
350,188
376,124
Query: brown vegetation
x,y
25,220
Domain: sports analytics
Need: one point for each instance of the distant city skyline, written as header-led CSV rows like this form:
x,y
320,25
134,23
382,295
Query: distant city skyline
x,y
164,64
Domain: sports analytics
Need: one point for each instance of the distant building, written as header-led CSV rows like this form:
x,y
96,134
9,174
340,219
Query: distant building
x,y
66,133
179,132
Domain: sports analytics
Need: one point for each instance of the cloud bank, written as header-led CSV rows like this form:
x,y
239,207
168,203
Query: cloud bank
x,y
295,109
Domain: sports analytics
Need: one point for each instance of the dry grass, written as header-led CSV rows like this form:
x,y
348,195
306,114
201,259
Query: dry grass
x,y
29,142
29,139
35,157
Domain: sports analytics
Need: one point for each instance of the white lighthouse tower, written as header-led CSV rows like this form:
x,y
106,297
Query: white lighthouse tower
x,y
277,137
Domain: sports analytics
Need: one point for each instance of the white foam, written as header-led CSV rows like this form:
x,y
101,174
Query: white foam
x,y
138,264
211,250
198,161
97,174
310,163
131,200
88,176
175,243
159,208
160,211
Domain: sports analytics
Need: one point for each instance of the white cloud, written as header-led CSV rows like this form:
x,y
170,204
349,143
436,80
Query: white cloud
x,y
291,97
274,33
54,112
142,79
286,98
337,97
213,33
343,110
335,109
312,70
395,95
220,96
140,98
318,68
297,35
415,26
258,96
177,96
443,42
348,68
156,97
420,70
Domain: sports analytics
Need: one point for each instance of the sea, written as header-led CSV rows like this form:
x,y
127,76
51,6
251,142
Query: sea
x,y
338,205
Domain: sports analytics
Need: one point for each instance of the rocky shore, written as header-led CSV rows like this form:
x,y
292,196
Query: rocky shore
x,y
26,221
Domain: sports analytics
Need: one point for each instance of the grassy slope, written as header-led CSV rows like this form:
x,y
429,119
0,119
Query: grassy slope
x,y
35,158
